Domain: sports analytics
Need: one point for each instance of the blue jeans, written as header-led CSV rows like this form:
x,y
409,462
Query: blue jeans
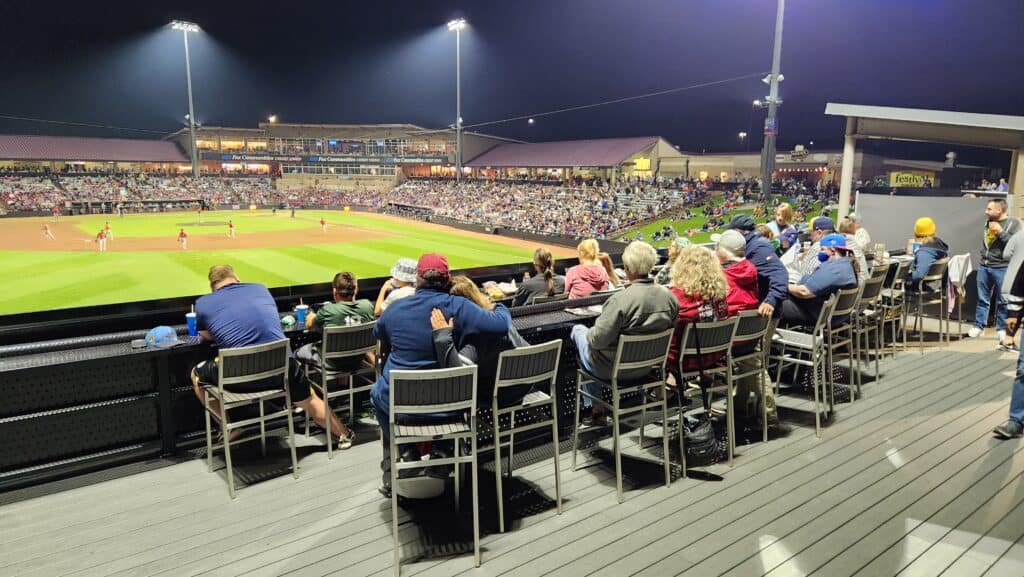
x,y
579,337
989,280
1017,396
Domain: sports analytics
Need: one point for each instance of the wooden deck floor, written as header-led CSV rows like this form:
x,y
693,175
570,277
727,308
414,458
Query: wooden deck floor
x,y
906,481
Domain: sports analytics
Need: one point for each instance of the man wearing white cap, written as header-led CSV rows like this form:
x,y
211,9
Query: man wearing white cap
x,y
400,285
860,234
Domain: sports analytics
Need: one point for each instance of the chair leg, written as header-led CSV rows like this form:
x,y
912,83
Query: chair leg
x,y
730,417
664,441
682,435
576,423
263,429
327,417
291,436
458,477
351,400
476,501
497,469
558,462
764,404
227,450
817,404
511,447
643,417
920,316
618,449
394,501
209,433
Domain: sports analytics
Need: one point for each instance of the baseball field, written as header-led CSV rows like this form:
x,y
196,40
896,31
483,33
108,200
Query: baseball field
x,y
144,259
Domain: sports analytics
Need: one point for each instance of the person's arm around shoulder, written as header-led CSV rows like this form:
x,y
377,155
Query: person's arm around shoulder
x,y
468,314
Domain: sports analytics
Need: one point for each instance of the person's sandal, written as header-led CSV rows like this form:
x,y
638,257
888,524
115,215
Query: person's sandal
x,y
345,441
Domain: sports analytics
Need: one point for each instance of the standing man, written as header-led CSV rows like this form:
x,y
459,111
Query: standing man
x,y
323,223
999,227
47,233
231,229
183,239
101,240
1013,293
109,233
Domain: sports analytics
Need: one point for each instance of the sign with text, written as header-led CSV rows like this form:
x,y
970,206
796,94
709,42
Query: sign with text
x,y
911,179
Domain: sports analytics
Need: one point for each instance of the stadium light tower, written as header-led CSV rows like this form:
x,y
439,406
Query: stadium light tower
x,y
771,125
457,25
185,28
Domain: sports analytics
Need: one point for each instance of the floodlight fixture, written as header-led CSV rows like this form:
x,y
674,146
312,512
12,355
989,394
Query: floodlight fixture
x,y
185,26
457,24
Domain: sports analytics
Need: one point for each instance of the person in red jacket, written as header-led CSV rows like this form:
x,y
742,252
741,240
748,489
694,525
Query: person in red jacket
x,y
699,285
741,274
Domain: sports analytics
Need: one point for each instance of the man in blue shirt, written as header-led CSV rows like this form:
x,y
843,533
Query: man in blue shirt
x,y
405,327
238,314
772,278
836,272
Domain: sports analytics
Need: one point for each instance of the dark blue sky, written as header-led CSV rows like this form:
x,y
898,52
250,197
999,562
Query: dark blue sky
x,y
393,61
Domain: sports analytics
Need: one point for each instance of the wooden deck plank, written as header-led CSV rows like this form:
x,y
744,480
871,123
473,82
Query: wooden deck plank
x,y
995,543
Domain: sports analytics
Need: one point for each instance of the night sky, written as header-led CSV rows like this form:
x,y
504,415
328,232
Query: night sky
x,y
393,61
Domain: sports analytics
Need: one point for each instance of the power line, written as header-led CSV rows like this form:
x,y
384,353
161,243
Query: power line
x,y
608,102
83,124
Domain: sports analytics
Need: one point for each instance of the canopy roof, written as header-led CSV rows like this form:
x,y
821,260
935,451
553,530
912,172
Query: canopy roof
x,y
968,128
602,152
25,147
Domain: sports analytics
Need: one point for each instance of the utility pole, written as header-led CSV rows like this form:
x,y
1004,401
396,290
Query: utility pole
x,y
771,124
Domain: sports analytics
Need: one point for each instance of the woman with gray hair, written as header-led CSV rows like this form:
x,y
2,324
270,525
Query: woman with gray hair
x,y
641,308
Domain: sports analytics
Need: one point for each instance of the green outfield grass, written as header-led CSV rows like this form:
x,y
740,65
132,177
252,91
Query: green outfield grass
x,y
37,280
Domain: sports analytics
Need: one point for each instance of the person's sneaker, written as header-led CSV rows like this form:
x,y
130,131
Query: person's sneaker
x,y
1011,429
974,333
1007,346
1001,336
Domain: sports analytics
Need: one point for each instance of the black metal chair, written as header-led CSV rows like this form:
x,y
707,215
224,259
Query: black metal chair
x,y
427,392
869,317
807,349
928,293
894,301
535,365
246,365
840,338
635,354
345,342
756,331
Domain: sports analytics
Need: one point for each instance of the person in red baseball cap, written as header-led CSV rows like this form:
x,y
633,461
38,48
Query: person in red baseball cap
x,y
405,327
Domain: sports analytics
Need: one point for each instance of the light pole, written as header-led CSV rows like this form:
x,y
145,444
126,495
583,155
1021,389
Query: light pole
x,y
457,25
771,127
185,28
743,138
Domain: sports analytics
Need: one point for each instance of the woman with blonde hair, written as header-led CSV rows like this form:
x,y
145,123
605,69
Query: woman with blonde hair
x,y
782,226
588,276
700,286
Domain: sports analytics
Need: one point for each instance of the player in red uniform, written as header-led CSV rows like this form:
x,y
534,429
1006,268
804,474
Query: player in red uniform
x,y
56,214
183,239
323,224
101,240
231,229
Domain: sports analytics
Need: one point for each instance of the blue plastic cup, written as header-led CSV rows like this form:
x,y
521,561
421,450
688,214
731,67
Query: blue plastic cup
x,y
190,320
300,314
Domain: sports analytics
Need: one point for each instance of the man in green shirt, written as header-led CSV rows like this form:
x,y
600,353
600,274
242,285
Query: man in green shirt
x,y
344,310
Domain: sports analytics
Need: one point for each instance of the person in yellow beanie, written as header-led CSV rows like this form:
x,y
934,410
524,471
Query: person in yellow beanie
x,y
931,249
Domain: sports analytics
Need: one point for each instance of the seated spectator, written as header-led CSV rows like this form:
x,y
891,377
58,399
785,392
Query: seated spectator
x,y
588,276
664,276
238,314
782,227
344,289
859,232
806,261
772,278
641,308
405,328
932,249
399,286
544,282
700,287
836,272
614,282
847,229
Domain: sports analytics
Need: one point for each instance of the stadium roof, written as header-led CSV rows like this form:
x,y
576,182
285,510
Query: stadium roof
x,y
24,147
969,128
598,152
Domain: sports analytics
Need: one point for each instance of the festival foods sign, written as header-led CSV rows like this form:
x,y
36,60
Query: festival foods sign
x,y
915,179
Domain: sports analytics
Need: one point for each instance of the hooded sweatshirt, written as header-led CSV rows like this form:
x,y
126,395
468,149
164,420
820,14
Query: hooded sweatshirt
x,y
584,279
927,253
743,286
993,245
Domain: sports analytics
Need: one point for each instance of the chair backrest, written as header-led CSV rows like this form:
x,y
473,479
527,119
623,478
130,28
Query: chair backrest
x,y
526,365
846,301
899,276
937,270
537,299
433,391
962,261
750,325
348,341
642,351
253,363
714,337
825,316
872,290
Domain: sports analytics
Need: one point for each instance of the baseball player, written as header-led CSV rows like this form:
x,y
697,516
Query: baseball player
x,y
231,229
323,224
47,233
183,239
107,230
101,240
56,214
